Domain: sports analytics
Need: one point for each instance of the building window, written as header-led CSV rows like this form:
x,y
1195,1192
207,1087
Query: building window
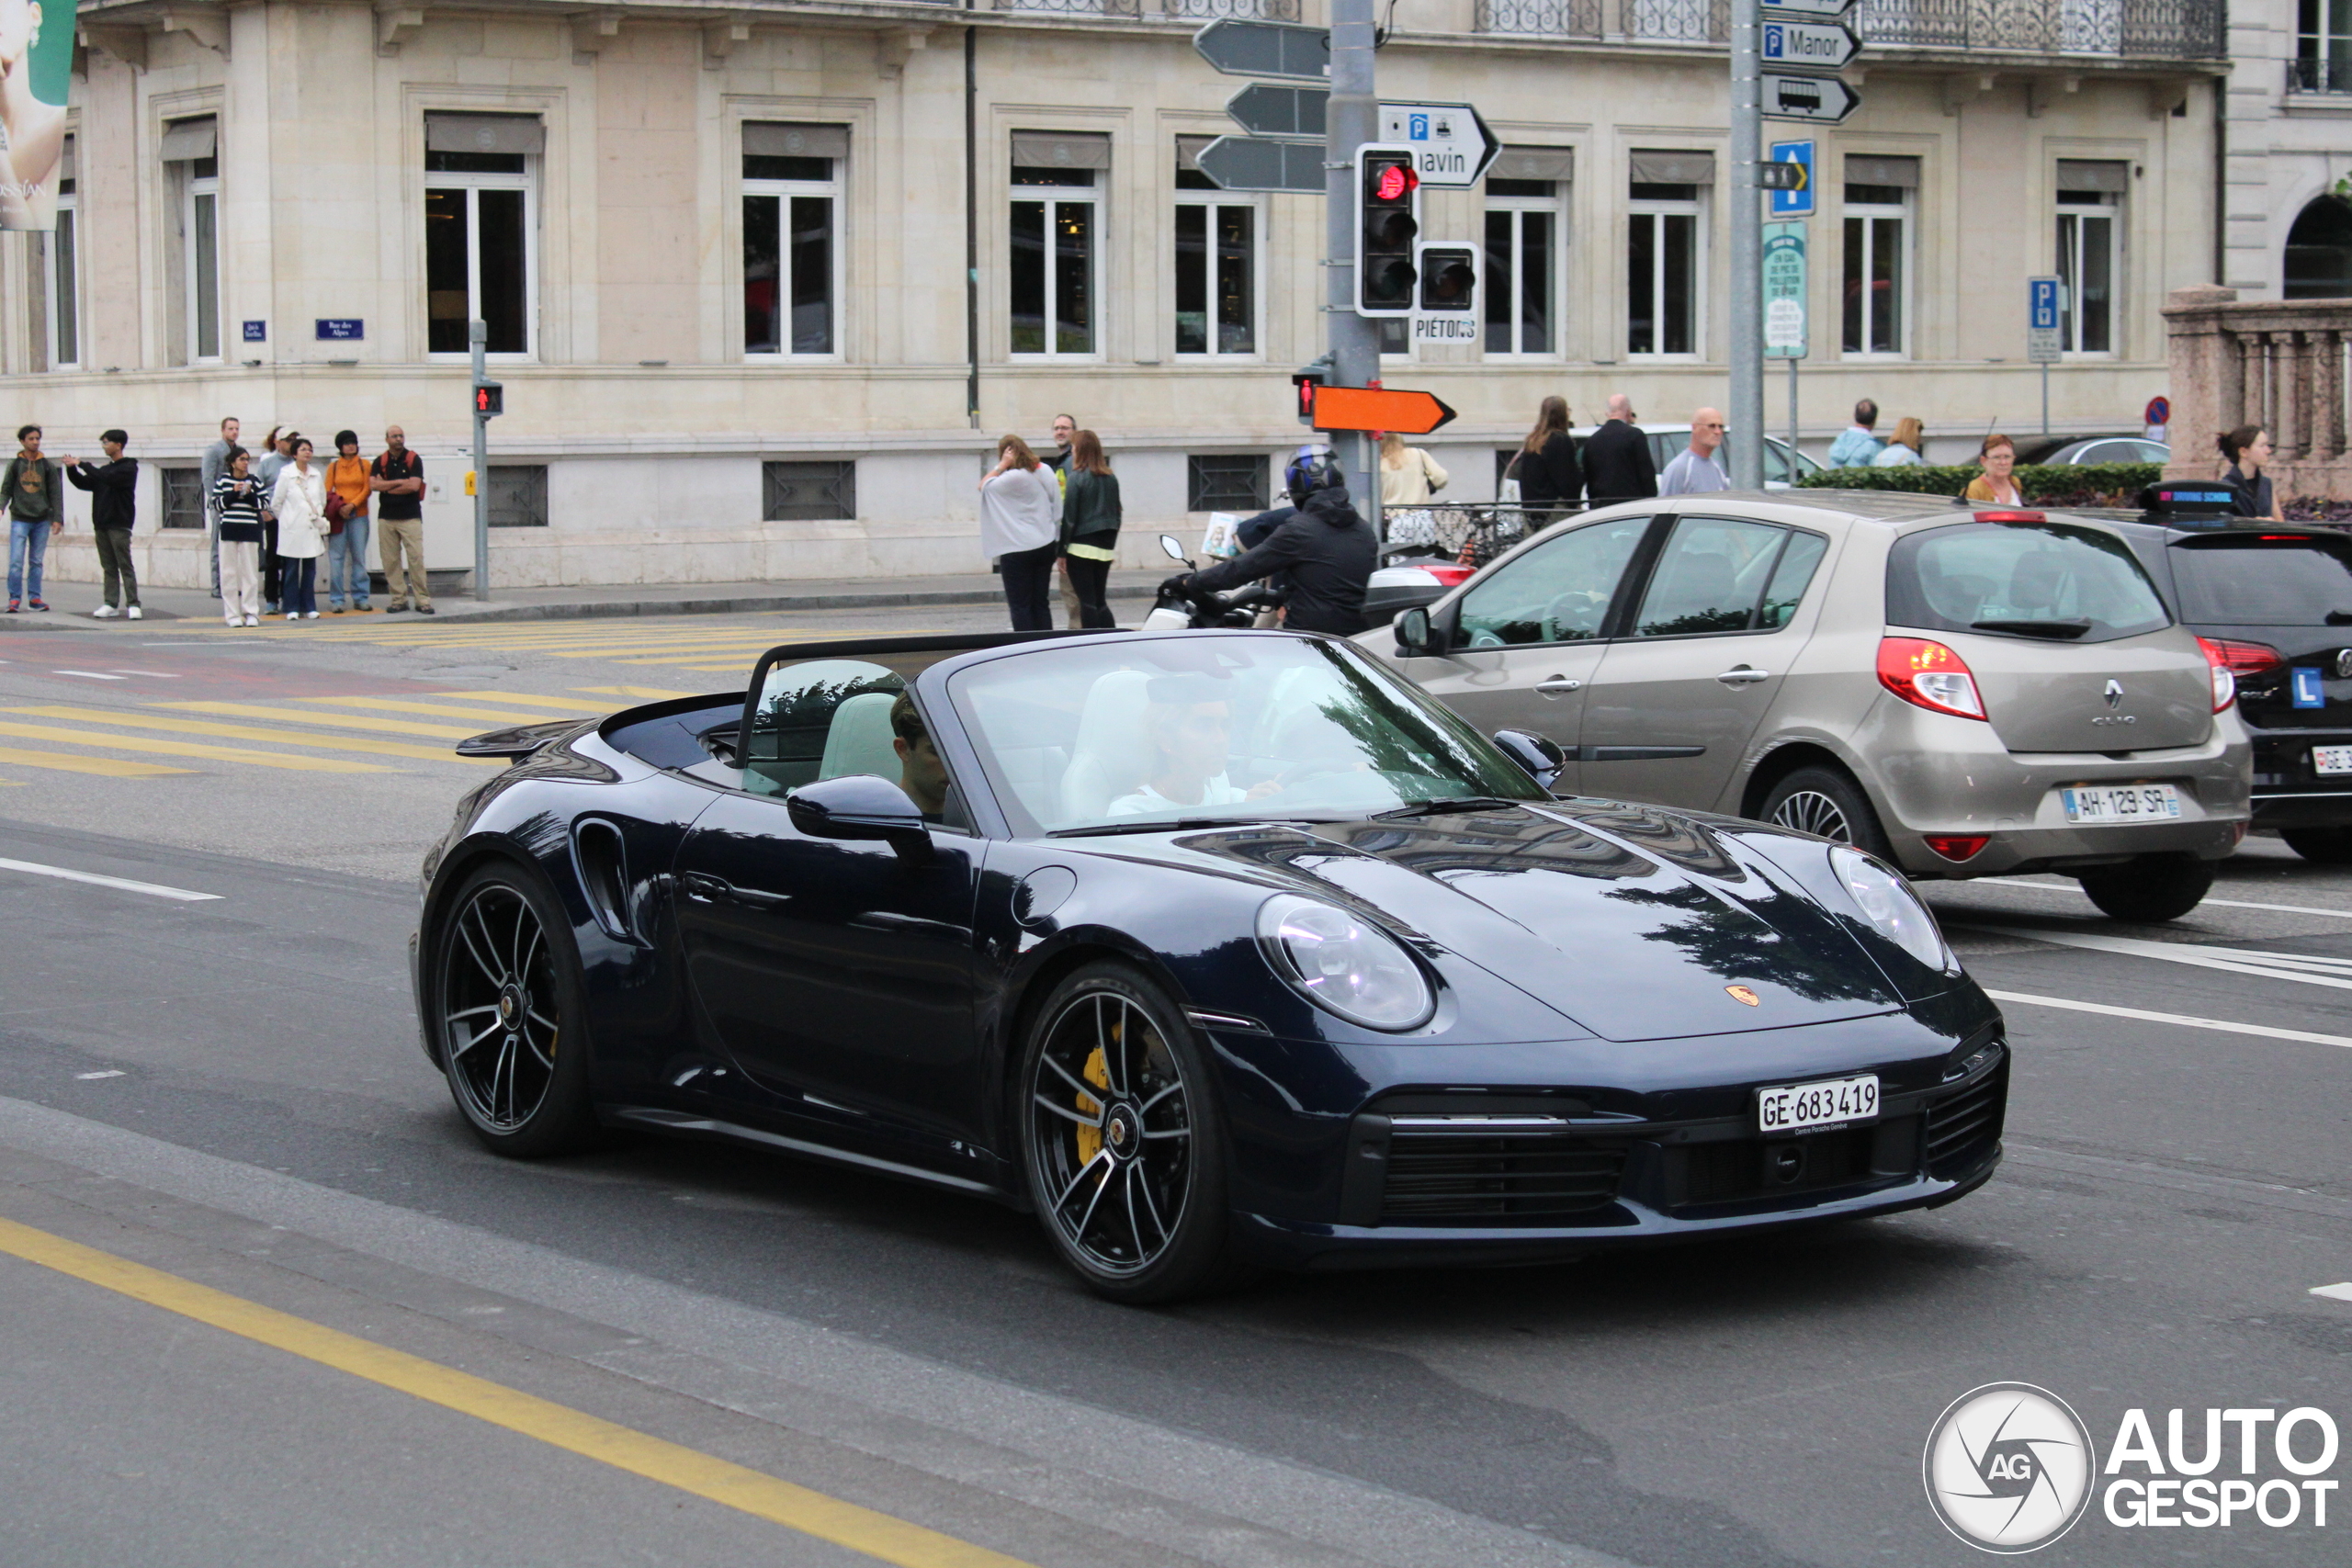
x,y
1878,265
1666,251
809,491
1220,481
1056,235
1216,262
518,495
792,254
182,496
191,153
63,263
2089,200
482,230
2319,251
2324,47
1526,223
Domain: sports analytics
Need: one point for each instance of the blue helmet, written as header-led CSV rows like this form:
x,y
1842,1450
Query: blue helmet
x,y
1312,467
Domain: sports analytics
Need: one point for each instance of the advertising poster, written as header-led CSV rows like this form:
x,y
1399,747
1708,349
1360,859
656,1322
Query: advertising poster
x,y
36,66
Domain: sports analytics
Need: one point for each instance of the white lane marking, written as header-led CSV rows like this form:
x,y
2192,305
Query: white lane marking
x,y
2220,1025
88,674
2237,961
158,675
110,1073
2076,888
153,889
2342,1292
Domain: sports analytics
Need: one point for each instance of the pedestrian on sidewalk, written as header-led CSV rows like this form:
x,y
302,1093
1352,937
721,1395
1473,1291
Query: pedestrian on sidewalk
x,y
1617,461
300,501
398,477
236,503
2248,448
1997,457
35,514
1908,450
347,493
267,467
1695,472
1020,510
214,464
1550,478
114,507
1065,436
1090,529
1856,444
1408,476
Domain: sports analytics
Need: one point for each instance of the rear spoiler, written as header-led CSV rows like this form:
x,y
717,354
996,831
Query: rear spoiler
x,y
522,740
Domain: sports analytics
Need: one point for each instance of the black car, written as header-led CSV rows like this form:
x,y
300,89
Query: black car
x,y
1215,949
2273,604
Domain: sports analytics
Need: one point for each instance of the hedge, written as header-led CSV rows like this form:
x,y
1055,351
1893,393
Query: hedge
x,y
2042,484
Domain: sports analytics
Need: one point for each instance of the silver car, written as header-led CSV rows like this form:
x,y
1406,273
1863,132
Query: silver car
x,y
1964,693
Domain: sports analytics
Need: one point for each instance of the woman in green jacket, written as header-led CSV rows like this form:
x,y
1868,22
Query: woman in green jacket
x,y
1090,518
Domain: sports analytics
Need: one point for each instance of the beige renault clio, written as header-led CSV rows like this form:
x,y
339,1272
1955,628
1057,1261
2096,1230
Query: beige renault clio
x,y
1964,691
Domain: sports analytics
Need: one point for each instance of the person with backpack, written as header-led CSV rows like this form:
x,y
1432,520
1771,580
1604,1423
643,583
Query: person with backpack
x,y
114,507
34,515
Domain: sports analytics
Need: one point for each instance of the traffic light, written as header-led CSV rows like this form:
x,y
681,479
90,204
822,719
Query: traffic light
x,y
1449,278
489,399
1388,219
1309,377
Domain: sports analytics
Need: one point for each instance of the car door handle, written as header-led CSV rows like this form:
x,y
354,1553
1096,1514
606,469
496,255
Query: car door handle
x,y
1559,686
1744,676
703,888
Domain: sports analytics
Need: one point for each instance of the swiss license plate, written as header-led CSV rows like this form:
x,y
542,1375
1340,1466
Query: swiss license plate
x,y
2121,802
1808,1107
2331,759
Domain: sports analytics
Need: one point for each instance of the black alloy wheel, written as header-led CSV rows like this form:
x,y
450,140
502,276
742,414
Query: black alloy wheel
x,y
1826,803
2321,846
506,1004
1124,1145
2149,889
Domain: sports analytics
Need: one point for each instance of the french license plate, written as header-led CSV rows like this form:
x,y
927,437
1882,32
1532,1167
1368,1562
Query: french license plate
x,y
2331,759
1808,1107
2121,802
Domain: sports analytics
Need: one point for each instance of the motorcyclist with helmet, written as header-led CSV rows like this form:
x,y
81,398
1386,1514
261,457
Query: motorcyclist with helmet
x,y
1325,550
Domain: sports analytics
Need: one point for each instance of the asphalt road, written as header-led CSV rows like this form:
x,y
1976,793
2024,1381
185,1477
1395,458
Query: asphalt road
x,y
306,1275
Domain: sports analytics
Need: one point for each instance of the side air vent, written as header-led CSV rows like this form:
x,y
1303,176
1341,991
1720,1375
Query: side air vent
x,y
598,849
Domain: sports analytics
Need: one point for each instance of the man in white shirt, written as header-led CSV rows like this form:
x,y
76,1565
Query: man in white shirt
x,y
1856,446
1695,472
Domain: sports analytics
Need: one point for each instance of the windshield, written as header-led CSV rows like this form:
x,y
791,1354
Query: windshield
x,y
2265,580
1236,728
2053,580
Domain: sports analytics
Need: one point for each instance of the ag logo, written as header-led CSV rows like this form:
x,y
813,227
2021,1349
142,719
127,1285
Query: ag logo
x,y
2009,1468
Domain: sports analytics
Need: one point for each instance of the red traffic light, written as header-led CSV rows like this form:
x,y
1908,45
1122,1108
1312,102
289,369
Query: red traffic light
x,y
1397,182
489,399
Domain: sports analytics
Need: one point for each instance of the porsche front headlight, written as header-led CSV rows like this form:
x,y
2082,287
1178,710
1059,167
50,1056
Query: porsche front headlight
x,y
1888,902
1344,964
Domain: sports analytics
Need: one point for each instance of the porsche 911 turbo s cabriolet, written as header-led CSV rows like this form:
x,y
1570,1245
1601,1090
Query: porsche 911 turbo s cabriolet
x,y
1216,950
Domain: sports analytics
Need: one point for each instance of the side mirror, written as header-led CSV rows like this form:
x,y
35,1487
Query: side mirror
x,y
1174,550
1413,631
861,806
1538,757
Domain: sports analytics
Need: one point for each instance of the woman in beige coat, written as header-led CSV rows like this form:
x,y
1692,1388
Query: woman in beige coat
x,y
300,502
1408,476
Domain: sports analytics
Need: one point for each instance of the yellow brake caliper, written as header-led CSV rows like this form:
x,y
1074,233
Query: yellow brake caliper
x,y
1090,1139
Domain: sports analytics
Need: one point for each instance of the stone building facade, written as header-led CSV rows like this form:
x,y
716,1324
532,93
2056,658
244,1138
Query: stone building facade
x,y
2288,142
763,279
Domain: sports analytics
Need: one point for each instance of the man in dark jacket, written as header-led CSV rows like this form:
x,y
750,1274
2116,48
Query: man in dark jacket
x,y
1617,461
114,507
35,513
1326,550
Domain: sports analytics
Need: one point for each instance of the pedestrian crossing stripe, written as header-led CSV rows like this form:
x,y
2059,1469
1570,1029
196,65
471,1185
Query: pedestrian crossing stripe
x,y
402,704
189,749
65,761
642,693
336,720
529,699
179,726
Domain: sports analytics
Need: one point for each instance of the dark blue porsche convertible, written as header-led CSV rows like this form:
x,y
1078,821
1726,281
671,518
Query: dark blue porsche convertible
x,y
1215,949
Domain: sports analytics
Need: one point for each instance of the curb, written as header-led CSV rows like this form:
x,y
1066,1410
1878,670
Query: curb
x,y
747,604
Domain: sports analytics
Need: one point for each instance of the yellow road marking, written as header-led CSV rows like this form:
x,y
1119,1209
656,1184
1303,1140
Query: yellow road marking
x,y
644,694
254,732
689,1470
400,705
191,749
530,699
65,762
341,720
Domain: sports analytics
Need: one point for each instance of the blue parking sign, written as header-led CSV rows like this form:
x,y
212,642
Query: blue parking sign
x,y
1793,203
2041,303
1417,129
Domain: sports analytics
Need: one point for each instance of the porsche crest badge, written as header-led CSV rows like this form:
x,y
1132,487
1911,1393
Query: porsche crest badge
x,y
1742,994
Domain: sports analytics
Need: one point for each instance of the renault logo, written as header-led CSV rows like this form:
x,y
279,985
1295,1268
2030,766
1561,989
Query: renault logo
x,y
2115,693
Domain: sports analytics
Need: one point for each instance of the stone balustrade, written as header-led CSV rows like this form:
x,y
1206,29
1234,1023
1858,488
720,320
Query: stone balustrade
x,y
2277,364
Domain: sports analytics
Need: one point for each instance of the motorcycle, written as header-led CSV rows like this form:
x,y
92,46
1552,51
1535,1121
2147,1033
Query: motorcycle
x,y
1239,610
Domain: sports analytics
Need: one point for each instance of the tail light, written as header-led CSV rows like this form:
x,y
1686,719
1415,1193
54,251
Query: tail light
x,y
1958,846
2233,661
2011,517
1449,572
1929,675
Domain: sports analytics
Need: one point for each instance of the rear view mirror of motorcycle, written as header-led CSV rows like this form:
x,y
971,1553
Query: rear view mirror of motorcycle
x,y
1175,551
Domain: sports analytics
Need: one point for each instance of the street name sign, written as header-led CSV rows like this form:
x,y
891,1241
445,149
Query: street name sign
x,y
1249,163
1377,408
1266,48
1817,100
1812,10
2044,299
1784,294
1262,108
1451,144
1793,198
1807,46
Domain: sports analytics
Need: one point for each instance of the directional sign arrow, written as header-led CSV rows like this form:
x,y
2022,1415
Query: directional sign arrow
x,y
1266,48
1816,100
1376,408
1812,10
1247,162
1451,144
1264,109
1808,46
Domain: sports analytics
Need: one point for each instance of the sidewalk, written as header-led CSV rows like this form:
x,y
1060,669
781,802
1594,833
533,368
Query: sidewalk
x,y
75,600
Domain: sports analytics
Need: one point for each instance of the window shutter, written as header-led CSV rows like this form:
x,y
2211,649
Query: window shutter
x,y
508,133
1535,164
1058,149
1673,168
1188,152
186,141
2084,173
777,139
1900,172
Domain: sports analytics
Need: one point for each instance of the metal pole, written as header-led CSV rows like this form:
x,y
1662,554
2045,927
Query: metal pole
x,y
2045,399
478,335
1747,253
1352,118
1792,422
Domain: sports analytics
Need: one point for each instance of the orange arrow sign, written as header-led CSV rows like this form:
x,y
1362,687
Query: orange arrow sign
x,y
1377,408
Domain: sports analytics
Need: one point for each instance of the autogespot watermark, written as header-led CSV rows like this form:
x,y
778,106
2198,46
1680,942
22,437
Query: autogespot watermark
x,y
2010,1468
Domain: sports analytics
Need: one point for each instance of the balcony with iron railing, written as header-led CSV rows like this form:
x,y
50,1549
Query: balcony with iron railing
x,y
1154,11
2316,73
2159,29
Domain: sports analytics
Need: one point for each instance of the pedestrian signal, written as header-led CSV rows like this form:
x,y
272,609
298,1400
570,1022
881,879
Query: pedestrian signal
x,y
1388,220
1449,278
489,399
1317,374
